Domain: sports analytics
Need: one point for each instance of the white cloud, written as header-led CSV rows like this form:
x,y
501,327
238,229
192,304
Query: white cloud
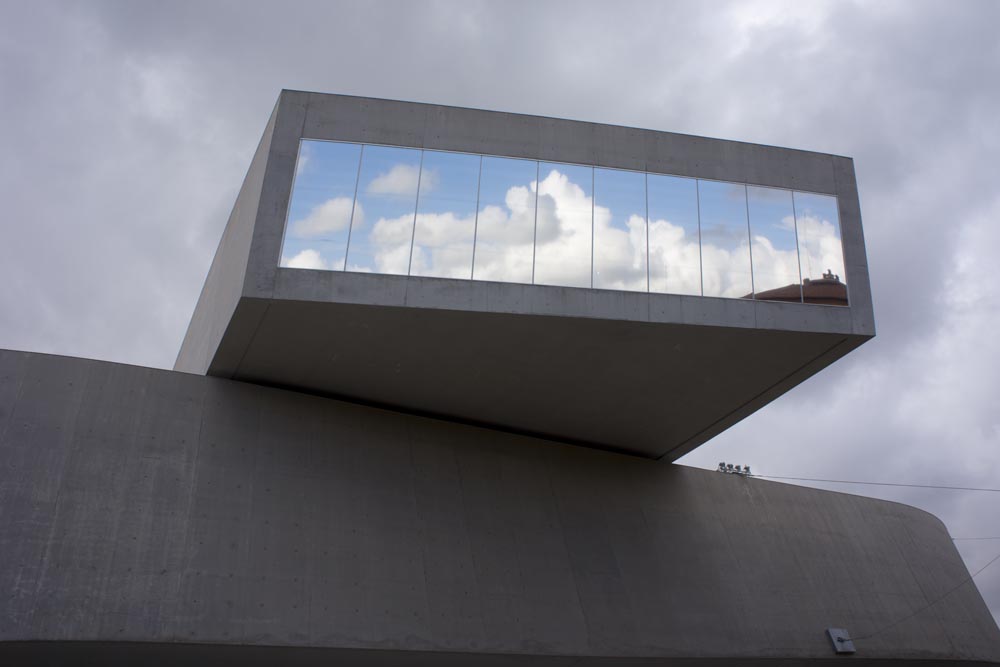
x,y
674,259
393,258
821,246
442,245
619,254
773,267
506,234
443,229
331,216
402,179
504,237
389,243
726,271
564,235
306,259
393,231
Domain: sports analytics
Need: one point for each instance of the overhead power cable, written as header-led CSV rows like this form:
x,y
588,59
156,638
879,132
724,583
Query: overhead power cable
x,y
976,538
851,481
931,603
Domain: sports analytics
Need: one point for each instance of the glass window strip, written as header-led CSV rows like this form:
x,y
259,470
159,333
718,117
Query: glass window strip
x,y
829,274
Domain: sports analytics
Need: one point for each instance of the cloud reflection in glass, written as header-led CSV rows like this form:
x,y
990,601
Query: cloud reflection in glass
x,y
387,196
446,216
620,230
563,232
773,245
402,211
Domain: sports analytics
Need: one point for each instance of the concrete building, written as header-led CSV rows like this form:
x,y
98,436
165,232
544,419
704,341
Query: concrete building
x,y
426,409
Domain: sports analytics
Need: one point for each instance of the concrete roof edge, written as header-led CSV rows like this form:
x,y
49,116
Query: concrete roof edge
x,y
557,118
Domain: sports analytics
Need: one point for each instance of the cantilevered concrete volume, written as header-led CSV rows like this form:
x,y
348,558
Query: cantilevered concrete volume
x,y
426,408
646,365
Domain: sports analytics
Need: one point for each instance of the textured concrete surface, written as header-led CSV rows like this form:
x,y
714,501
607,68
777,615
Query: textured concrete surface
x,y
165,509
258,322
647,388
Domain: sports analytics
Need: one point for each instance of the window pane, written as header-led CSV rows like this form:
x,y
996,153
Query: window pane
x,y
382,229
674,255
446,215
319,214
772,238
620,230
821,253
505,230
563,235
725,241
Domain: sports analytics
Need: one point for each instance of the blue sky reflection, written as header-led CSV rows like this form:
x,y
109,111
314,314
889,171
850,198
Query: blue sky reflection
x,y
319,215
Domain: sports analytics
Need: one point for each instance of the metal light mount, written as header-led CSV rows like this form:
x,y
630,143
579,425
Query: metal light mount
x,y
841,640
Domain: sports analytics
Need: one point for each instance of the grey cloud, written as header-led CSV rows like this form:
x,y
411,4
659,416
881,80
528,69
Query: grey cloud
x,y
127,129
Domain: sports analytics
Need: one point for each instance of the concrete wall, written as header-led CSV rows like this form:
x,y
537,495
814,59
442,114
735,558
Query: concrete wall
x,y
159,507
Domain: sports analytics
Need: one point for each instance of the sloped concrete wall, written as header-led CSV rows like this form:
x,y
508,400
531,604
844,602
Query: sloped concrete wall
x,y
149,506
219,302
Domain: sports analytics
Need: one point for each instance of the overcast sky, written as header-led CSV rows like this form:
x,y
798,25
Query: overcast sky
x,y
126,129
